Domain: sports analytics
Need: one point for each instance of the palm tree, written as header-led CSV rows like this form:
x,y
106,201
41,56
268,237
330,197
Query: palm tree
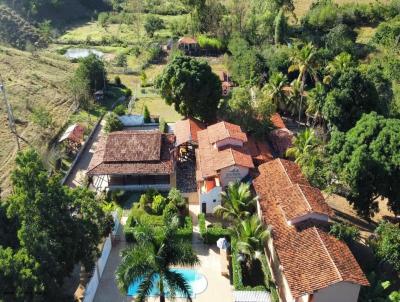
x,y
304,60
274,89
150,260
293,101
315,102
251,237
341,62
237,202
303,144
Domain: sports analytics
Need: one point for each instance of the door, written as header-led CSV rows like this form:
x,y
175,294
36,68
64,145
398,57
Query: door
x,y
204,208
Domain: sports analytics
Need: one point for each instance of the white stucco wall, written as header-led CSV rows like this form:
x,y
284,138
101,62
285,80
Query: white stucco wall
x,y
232,174
342,291
212,199
228,141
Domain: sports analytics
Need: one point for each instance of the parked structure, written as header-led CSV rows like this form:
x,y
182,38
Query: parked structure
x,y
73,136
307,263
189,46
134,160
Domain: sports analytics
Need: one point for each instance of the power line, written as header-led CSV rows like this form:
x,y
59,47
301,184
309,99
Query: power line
x,y
10,115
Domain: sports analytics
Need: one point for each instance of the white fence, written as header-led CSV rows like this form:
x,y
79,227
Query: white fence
x,y
92,285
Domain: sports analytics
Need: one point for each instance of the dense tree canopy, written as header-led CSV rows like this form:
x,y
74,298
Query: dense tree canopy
x,y
387,244
92,70
191,86
58,228
366,161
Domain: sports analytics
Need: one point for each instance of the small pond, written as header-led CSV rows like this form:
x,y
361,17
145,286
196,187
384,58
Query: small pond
x,y
78,53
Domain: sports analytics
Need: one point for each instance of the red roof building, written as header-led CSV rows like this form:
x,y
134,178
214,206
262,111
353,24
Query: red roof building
x,y
308,264
186,131
133,160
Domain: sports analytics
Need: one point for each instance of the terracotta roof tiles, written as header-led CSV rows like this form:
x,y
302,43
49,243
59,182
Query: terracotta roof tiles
x,y
311,259
186,130
224,130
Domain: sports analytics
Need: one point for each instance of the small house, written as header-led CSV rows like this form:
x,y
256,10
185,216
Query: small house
x,y
189,46
73,137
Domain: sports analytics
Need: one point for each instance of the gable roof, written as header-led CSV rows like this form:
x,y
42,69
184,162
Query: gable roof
x,y
311,258
133,152
224,130
186,130
277,121
73,133
187,40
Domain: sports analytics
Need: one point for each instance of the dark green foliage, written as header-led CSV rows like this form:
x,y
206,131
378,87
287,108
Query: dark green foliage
x,y
246,64
163,126
345,232
152,24
119,110
169,212
387,244
146,115
113,123
365,160
340,38
158,205
202,225
92,69
117,81
280,27
185,231
16,31
59,227
216,231
388,33
353,94
191,86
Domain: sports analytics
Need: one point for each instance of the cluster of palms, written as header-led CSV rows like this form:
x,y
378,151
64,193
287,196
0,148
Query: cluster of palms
x,y
290,97
149,262
239,208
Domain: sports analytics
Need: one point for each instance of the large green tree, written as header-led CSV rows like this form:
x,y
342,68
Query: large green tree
x,y
58,227
191,86
366,162
92,70
150,263
352,95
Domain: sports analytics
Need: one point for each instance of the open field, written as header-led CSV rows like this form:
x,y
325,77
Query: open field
x,y
126,32
32,81
302,6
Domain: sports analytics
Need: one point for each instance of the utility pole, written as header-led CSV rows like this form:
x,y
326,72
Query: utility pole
x,y
10,115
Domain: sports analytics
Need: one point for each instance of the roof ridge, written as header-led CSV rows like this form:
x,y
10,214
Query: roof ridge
x,y
329,254
305,198
283,167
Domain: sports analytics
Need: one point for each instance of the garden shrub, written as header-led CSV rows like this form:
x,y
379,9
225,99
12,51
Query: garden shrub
x,y
169,212
141,216
216,231
202,225
146,115
117,81
163,126
119,110
186,231
113,123
387,33
209,43
129,234
158,205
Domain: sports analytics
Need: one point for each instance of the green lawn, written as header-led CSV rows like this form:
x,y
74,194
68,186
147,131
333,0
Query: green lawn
x,y
157,106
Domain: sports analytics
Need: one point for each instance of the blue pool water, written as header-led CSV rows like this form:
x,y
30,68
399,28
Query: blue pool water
x,y
197,282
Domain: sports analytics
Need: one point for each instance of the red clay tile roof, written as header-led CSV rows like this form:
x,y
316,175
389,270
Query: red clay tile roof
x,y
310,257
186,130
277,121
133,152
259,150
224,130
210,159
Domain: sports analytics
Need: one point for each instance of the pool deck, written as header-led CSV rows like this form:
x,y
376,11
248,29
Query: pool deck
x,y
218,288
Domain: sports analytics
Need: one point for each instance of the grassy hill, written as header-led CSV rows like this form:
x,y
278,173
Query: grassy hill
x,y
32,81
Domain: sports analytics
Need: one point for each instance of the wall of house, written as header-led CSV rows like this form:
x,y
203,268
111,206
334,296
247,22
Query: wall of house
x,y
229,142
232,174
212,199
280,279
193,197
342,291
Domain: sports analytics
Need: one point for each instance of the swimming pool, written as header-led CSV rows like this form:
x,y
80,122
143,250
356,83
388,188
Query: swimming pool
x,y
197,282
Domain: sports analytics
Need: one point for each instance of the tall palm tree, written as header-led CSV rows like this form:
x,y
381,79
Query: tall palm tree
x,y
304,60
293,101
251,237
237,202
315,102
304,143
274,89
341,62
150,260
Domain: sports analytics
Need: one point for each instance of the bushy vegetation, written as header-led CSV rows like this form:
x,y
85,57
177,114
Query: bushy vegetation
x,y
345,232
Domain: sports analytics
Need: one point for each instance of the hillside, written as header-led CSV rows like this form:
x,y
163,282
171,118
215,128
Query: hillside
x,y
32,81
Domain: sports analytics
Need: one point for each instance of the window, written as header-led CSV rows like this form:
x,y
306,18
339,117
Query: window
x,y
214,200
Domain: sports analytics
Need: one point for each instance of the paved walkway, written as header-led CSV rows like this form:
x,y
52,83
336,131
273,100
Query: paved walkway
x,y
77,175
